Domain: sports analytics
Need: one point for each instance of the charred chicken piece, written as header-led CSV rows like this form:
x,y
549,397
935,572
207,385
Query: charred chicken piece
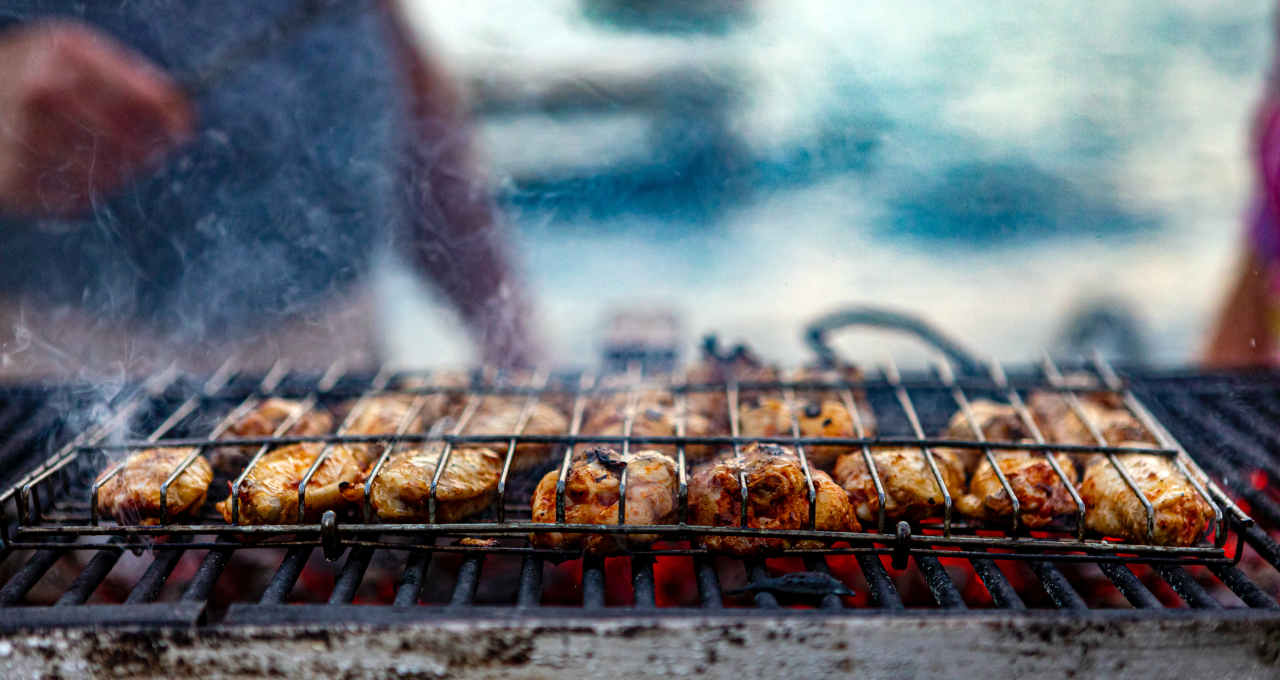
x,y
501,416
768,417
262,421
998,423
1041,494
777,498
1112,509
910,488
269,494
591,494
402,490
132,496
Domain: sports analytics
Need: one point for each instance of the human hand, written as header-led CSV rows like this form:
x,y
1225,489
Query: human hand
x,y
79,115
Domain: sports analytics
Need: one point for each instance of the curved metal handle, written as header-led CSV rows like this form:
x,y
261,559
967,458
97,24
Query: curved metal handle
x,y
878,317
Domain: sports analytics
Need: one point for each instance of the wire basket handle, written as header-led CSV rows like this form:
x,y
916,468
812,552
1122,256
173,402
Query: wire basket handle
x,y
816,333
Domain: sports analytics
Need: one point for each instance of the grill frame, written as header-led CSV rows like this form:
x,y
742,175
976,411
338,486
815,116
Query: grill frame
x,y
920,548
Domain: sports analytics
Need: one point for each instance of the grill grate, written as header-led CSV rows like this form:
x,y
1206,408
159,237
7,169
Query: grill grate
x,y
1227,420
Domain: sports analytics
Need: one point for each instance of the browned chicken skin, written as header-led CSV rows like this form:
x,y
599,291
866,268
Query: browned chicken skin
x,y
592,492
777,498
998,423
132,496
1041,494
769,417
1181,514
501,415
269,494
1060,424
262,421
384,414
910,488
652,417
402,490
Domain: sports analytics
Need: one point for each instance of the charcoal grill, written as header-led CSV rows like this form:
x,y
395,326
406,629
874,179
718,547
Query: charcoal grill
x,y
1034,598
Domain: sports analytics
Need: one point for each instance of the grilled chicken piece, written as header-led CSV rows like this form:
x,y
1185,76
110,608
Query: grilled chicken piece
x,y
768,417
1038,488
910,488
501,415
132,496
1060,424
402,490
591,494
269,494
384,413
653,418
777,498
998,423
713,372
262,421
1112,509
833,375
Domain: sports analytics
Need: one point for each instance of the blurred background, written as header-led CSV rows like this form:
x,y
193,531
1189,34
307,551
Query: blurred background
x,y
1012,171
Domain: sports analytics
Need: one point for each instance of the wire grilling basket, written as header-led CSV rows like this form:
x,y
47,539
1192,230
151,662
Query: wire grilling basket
x,y
56,505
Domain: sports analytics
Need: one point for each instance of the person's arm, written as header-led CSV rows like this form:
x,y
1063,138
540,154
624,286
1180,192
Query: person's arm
x,y
79,115
454,238
1240,336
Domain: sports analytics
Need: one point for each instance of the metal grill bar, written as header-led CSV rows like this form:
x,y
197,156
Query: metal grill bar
x,y
642,582
1246,590
1055,378
379,383
1188,588
412,579
708,583
1181,461
344,590
286,575
904,399
207,575
22,582
1001,380
529,593
1130,586
148,587
62,518
1057,587
789,401
91,576
464,590
1002,593
592,582
880,588
940,583
961,400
